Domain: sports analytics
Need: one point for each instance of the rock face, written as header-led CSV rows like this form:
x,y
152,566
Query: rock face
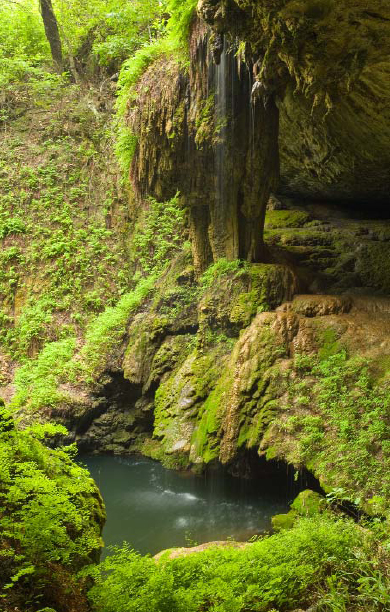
x,y
202,133
328,65
229,366
238,360
304,98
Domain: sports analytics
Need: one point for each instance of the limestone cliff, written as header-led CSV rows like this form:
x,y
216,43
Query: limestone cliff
x,y
240,361
293,90
328,65
268,334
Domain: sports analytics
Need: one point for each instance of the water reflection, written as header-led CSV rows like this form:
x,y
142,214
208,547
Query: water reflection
x,y
153,508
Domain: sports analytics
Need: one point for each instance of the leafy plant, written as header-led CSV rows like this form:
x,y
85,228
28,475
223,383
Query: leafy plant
x,y
159,235
318,557
51,513
340,424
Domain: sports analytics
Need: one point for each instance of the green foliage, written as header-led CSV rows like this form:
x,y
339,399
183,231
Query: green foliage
x,y
106,331
220,268
31,327
37,380
51,512
284,572
342,424
159,235
11,225
61,262
135,66
111,30
28,42
181,15
125,27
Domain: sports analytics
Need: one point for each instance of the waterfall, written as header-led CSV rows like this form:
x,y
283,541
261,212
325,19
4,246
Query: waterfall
x,y
221,119
235,142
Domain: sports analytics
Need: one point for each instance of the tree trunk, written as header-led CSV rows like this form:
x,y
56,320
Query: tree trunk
x,y
51,31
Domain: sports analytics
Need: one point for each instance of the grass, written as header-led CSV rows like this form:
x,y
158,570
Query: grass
x,y
104,333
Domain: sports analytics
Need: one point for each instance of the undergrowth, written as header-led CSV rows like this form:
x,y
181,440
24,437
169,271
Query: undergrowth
x,y
318,559
339,419
50,519
63,256
67,359
158,235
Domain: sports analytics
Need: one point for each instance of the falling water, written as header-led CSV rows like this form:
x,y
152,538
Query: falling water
x,y
221,118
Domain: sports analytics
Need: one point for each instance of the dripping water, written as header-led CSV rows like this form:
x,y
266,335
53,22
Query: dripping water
x,y
221,123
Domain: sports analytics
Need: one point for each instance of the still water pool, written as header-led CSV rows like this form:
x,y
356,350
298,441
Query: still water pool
x,y
153,508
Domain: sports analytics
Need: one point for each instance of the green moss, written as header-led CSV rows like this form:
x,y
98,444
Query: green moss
x,y
308,503
276,219
328,343
373,265
205,437
252,428
265,293
234,292
204,122
284,521
186,402
221,268
380,369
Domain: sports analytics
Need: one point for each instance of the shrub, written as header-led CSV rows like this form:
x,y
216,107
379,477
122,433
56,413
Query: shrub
x,y
283,571
51,513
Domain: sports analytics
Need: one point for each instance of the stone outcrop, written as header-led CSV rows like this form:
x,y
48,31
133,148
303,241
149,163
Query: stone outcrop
x,y
207,369
174,553
203,134
328,63
302,104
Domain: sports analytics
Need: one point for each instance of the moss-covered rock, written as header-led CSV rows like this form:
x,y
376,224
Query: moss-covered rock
x,y
337,250
333,141
308,503
283,521
233,301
